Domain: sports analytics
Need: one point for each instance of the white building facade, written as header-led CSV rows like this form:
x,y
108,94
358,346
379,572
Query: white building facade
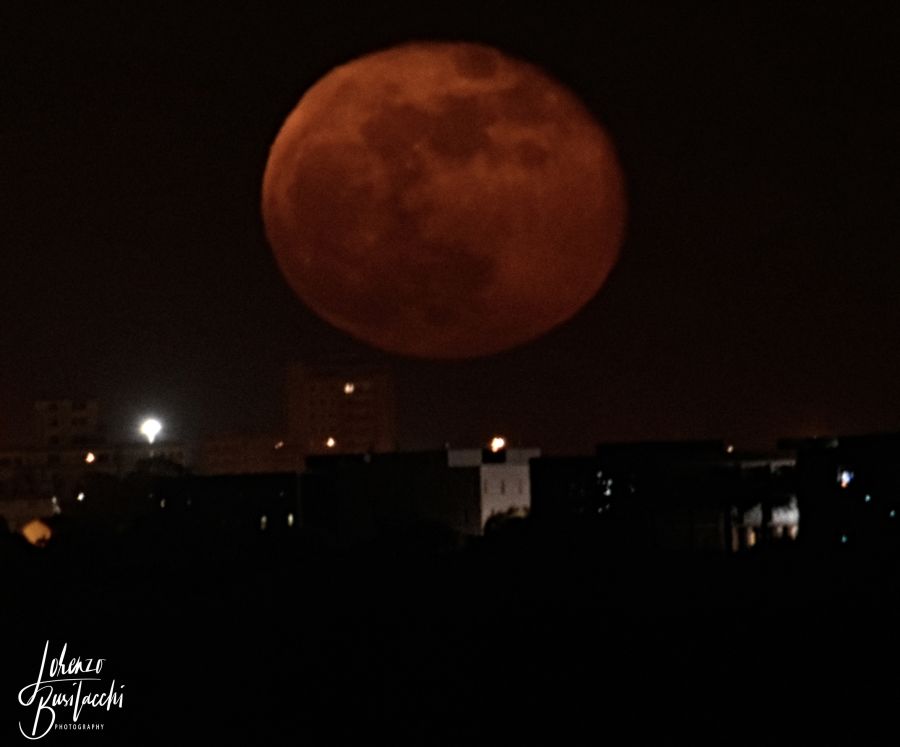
x,y
505,478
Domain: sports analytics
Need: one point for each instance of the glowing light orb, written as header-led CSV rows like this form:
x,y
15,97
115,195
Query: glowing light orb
x,y
150,429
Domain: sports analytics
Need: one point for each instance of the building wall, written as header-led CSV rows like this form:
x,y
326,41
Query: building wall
x,y
504,487
687,497
340,409
849,492
361,497
65,422
505,478
17,512
62,471
242,454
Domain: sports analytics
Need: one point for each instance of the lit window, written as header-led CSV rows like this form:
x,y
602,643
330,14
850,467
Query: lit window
x,y
349,387
290,520
80,497
498,443
263,522
279,444
330,443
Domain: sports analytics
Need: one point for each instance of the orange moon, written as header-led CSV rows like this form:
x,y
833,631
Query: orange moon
x,y
443,200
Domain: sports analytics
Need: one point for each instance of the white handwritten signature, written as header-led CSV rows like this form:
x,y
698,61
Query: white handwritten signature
x,y
45,693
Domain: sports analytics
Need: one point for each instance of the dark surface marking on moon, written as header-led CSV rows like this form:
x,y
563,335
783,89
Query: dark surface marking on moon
x,y
532,155
441,282
340,270
460,130
476,62
528,103
329,191
394,129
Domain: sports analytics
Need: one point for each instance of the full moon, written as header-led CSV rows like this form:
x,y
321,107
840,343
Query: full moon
x,y
443,200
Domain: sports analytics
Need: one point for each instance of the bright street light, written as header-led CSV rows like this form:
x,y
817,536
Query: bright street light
x,y
150,428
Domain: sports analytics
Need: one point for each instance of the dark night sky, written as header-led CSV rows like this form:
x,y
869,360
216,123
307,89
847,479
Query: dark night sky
x,y
757,294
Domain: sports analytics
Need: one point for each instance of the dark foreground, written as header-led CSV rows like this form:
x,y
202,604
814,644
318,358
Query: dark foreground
x,y
262,641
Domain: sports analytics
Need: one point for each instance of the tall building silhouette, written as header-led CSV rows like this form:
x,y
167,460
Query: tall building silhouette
x,y
341,408
66,422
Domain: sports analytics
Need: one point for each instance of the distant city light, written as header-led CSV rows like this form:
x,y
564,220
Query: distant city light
x,y
844,539
846,477
498,443
279,444
730,448
90,457
150,429
263,522
349,387
80,497
36,532
162,502
893,514
330,442
290,520
868,498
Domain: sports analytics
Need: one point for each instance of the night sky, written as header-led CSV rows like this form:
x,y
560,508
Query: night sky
x,y
756,296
